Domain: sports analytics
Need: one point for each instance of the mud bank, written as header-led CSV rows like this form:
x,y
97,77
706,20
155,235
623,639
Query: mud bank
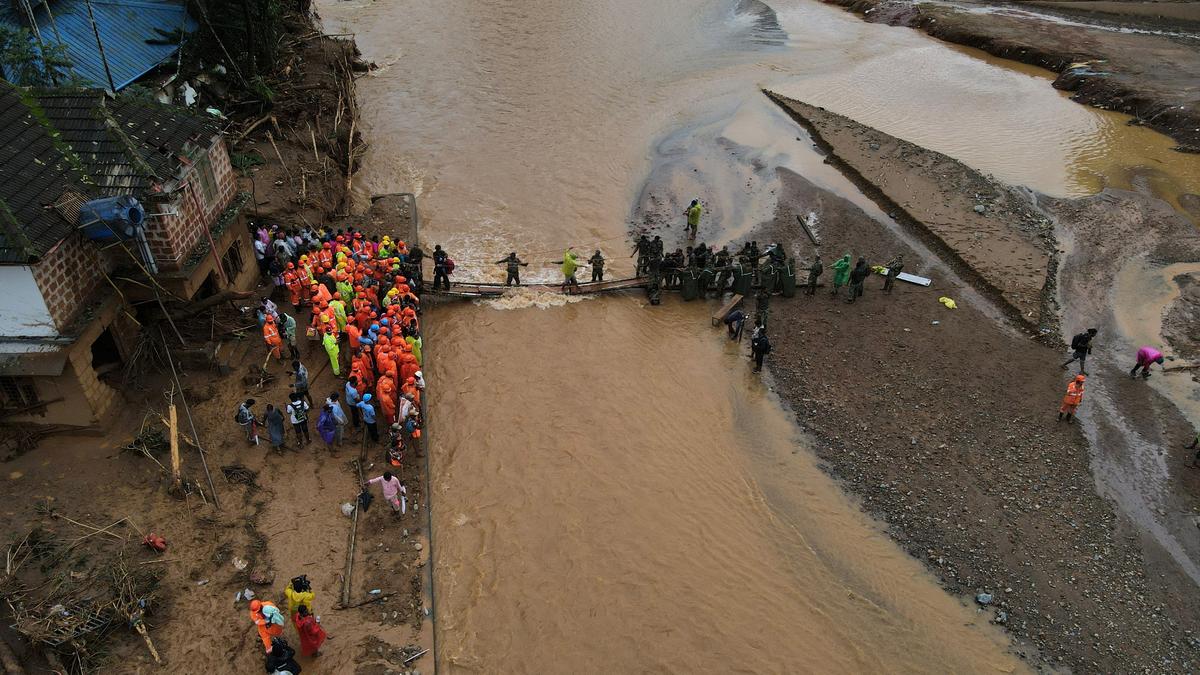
x,y
987,230
943,423
1144,74
299,158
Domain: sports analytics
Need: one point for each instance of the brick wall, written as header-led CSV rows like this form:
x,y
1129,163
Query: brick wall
x,y
68,276
172,238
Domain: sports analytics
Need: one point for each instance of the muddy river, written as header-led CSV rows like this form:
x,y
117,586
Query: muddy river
x,y
612,489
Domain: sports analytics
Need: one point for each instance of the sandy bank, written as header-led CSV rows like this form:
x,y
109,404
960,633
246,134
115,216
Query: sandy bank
x,y
1149,76
988,231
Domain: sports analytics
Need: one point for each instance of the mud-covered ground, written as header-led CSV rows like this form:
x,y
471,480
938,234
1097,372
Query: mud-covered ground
x,y
1137,61
944,423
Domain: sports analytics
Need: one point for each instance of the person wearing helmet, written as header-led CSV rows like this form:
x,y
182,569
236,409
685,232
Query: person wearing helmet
x,y
1072,399
268,620
271,336
368,416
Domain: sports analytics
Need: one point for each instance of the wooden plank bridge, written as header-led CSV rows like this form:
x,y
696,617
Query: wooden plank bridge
x,y
492,290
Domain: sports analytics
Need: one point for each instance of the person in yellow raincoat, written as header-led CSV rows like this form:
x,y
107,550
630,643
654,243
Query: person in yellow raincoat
x,y
331,348
414,343
339,314
570,263
299,593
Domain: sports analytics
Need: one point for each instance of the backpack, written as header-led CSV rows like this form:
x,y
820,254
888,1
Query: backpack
x,y
240,418
298,411
761,345
449,266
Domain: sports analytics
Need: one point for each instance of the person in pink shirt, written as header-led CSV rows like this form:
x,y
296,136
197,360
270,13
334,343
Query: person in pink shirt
x,y
1145,357
393,491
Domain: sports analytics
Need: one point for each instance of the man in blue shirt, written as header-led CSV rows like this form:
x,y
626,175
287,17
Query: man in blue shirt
x,y
368,416
352,399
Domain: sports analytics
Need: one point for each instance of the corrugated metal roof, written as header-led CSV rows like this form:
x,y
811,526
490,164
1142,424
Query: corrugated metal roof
x,y
127,30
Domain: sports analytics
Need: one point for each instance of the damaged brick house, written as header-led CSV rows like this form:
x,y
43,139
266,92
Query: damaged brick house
x,y
68,306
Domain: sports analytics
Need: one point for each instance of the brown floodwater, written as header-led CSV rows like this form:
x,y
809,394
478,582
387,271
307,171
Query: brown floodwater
x,y
612,490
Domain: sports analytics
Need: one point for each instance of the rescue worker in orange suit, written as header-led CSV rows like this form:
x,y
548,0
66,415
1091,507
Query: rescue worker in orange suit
x,y
385,389
291,279
267,619
410,387
1072,399
271,337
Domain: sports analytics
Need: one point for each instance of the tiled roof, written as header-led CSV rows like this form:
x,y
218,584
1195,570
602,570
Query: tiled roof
x,y
85,142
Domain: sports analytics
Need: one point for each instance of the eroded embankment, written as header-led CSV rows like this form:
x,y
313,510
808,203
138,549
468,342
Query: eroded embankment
x,y
943,423
1150,76
988,231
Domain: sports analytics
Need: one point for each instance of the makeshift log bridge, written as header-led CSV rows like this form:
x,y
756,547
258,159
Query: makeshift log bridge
x,y
489,290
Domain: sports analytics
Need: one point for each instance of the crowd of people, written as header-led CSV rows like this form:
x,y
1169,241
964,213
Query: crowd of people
x,y
359,298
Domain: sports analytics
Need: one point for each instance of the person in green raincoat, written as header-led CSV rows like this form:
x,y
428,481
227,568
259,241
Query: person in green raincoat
x,y
339,313
414,342
331,348
841,273
346,291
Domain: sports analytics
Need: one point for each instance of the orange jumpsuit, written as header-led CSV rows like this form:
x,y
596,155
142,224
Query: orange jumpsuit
x,y
385,389
411,388
291,279
266,630
408,367
1073,398
271,337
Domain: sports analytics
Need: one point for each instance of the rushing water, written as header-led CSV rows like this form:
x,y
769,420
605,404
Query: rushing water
x,y
612,491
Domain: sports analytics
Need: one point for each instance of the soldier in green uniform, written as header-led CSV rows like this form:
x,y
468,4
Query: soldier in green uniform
x,y
768,275
761,309
513,266
893,270
814,273
721,263
654,285
642,251
597,263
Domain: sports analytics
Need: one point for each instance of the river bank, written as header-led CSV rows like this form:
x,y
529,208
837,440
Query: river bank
x,y
1147,73
943,421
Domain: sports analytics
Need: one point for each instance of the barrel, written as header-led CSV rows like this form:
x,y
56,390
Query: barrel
x,y
787,278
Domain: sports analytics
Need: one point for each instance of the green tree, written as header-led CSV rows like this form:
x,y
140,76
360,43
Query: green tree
x,y
24,63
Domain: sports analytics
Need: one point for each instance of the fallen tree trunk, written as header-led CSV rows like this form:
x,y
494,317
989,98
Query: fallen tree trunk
x,y
211,301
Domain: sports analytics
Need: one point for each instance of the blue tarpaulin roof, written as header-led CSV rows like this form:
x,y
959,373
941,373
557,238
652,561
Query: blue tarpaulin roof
x,y
137,35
